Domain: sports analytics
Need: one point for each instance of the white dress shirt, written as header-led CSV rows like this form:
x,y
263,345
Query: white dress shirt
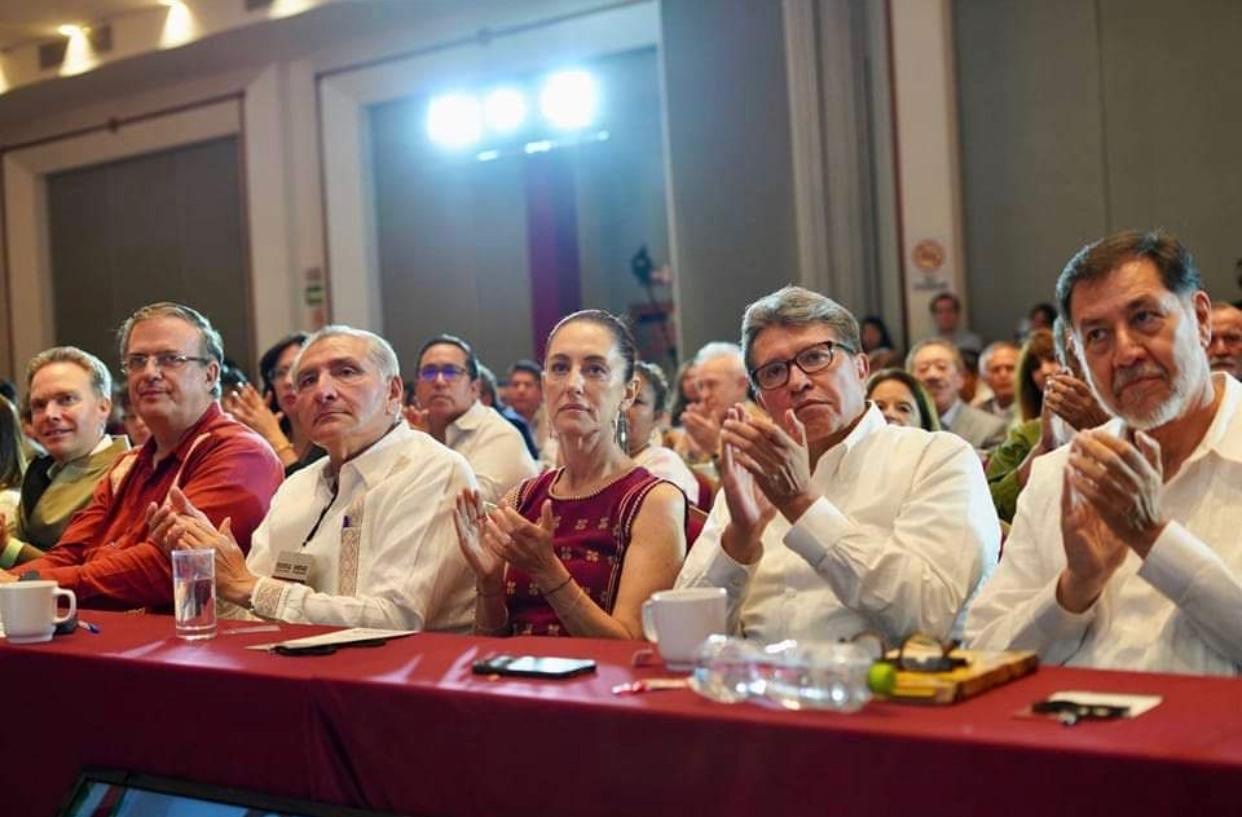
x,y
903,533
385,550
1178,610
666,464
494,448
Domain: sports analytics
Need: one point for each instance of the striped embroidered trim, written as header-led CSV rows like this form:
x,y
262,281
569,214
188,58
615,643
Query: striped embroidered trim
x,y
267,597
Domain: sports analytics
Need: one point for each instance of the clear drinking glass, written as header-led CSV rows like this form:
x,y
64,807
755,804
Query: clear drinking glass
x,y
725,669
194,593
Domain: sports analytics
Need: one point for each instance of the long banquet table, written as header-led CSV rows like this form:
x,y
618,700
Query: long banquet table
x,y
407,728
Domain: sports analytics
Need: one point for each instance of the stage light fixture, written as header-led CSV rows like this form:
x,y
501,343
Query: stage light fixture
x,y
569,99
504,110
70,30
454,120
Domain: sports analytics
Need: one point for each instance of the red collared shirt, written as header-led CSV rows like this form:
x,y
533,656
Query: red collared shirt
x,y
104,555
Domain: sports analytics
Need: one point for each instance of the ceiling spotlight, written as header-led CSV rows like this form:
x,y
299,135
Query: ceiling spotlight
x,y
504,110
569,99
454,120
70,30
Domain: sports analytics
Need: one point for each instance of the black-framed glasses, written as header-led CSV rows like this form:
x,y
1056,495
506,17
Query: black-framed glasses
x,y
448,371
164,361
810,360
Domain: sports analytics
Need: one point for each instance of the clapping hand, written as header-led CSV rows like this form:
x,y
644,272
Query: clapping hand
x,y
188,528
470,518
1122,482
1092,551
416,418
777,459
702,429
750,511
1072,400
248,407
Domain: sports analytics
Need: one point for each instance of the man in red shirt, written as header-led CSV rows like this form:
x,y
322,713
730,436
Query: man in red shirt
x,y
171,358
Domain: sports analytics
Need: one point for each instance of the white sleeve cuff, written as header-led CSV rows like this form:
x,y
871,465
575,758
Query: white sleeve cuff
x,y
1052,621
1175,559
816,531
268,598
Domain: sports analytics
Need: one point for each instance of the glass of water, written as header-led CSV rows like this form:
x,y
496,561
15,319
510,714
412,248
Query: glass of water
x,y
194,593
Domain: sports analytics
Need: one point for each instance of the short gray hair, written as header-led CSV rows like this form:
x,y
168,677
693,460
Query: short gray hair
x,y
797,306
718,348
947,344
101,378
994,347
379,351
209,343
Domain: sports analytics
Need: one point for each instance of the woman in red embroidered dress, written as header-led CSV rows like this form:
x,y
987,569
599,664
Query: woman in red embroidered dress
x,y
578,549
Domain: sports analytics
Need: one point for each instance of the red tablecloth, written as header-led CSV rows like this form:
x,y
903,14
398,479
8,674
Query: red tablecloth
x,y
406,728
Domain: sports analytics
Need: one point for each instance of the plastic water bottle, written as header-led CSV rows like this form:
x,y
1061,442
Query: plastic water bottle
x,y
788,674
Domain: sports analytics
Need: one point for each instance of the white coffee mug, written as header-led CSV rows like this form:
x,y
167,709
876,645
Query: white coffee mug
x,y
28,610
678,621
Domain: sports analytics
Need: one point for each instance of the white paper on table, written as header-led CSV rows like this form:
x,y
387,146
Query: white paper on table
x,y
1138,704
350,636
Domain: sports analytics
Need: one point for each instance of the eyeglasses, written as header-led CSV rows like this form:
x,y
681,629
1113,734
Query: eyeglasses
x,y
1071,712
810,360
164,361
448,371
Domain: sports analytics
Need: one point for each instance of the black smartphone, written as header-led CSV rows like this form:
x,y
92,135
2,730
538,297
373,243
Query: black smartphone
x,y
533,666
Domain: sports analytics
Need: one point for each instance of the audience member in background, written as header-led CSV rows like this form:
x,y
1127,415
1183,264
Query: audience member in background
x,y
970,377
937,364
946,312
1066,405
272,414
1041,316
721,384
12,462
902,400
374,518
835,521
525,395
449,410
687,392
878,344
69,395
132,424
577,550
1125,551
1225,351
643,437
997,367
489,395
1036,363
171,357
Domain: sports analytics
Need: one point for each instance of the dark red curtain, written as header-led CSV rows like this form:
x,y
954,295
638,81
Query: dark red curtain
x,y
551,242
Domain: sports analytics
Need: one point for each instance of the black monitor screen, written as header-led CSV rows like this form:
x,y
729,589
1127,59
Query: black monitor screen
x,y
111,793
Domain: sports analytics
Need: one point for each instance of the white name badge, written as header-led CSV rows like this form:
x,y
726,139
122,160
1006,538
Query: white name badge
x,y
292,566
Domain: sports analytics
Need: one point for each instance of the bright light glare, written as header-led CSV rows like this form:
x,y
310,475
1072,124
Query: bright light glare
x,y
542,146
179,25
504,110
569,99
79,55
488,155
454,120
70,30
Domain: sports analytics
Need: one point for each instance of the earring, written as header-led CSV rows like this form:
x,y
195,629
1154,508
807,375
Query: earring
x,y
622,432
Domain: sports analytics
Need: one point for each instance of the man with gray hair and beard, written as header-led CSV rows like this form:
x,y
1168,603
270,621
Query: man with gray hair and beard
x,y
1124,551
364,537
834,522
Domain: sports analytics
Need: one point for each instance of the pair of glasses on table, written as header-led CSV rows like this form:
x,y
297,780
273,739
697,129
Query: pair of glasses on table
x,y
918,653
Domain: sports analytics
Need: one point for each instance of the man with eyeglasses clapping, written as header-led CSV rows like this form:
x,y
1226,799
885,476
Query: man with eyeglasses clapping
x,y
833,521
171,356
449,410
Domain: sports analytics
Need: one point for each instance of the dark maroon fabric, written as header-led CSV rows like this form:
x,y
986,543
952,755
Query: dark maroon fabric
x,y
551,242
590,536
408,729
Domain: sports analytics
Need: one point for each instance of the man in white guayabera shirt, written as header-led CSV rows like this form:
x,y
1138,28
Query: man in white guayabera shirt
x,y
1125,550
834,522
364,537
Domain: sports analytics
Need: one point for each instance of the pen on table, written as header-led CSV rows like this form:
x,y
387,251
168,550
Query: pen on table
x,y
90,628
